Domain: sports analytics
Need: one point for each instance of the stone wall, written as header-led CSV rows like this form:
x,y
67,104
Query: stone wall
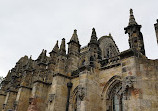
x,y
10,100
148,72
58,94
2,98
23,98
38,99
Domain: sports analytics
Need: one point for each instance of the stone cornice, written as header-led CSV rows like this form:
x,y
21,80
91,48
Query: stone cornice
x,y
1,94
12,91
42,82
25,87
61,75
110,66
68,77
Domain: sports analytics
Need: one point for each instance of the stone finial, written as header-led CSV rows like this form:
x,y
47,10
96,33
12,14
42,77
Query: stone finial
x,y
93,32
93,37
62,49
42,57
75,31
74,37
29,65
131,11
56,47
31,57
132,19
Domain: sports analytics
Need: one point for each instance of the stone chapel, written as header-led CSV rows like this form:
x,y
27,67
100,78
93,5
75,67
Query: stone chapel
x,y
96,77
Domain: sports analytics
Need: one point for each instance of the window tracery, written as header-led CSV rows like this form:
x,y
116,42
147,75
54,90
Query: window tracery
x,y
115,97
74,99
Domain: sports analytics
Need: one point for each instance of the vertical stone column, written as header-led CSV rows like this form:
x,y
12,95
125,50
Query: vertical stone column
x,y
58,93
10,100
2,99
39,96
132,84
22,99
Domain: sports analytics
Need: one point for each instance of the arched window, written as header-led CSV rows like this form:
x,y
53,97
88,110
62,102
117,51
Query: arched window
x,y
114,97
75,104
74,99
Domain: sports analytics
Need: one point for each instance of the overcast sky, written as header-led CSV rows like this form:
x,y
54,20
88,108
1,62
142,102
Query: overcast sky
x,y
28,26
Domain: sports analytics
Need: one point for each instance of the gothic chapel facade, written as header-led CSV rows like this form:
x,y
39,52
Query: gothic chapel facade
x,y
96,77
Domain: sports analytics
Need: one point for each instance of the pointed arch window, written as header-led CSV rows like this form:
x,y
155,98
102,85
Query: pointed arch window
x,y
74,99
115,97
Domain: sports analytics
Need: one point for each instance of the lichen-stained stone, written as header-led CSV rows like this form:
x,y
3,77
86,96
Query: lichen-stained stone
x,y
96,77
22,99
2,98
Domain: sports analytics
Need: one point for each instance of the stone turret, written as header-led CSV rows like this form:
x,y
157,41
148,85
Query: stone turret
x,y
55,49
94,38
53,57
74,45
156,30
54,53
94,50
74,37
42,59
73,52
135,36
61,59
27,74
62,50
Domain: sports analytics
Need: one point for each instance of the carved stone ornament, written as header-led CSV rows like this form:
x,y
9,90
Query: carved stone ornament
x,y
51,97
129,82
81,93
30,100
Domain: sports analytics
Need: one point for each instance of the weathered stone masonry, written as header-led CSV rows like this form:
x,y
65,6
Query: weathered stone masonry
x,y
96,77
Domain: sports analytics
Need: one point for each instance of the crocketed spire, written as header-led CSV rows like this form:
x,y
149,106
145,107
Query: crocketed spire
x,y
62,50
42,57
132,19
93,37
56,47
74,37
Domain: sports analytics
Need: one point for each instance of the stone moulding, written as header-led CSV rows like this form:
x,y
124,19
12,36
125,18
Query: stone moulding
x,y
25,87
81,93
111,81
128,82
62,75
110,66
51,97
12,91
42,82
